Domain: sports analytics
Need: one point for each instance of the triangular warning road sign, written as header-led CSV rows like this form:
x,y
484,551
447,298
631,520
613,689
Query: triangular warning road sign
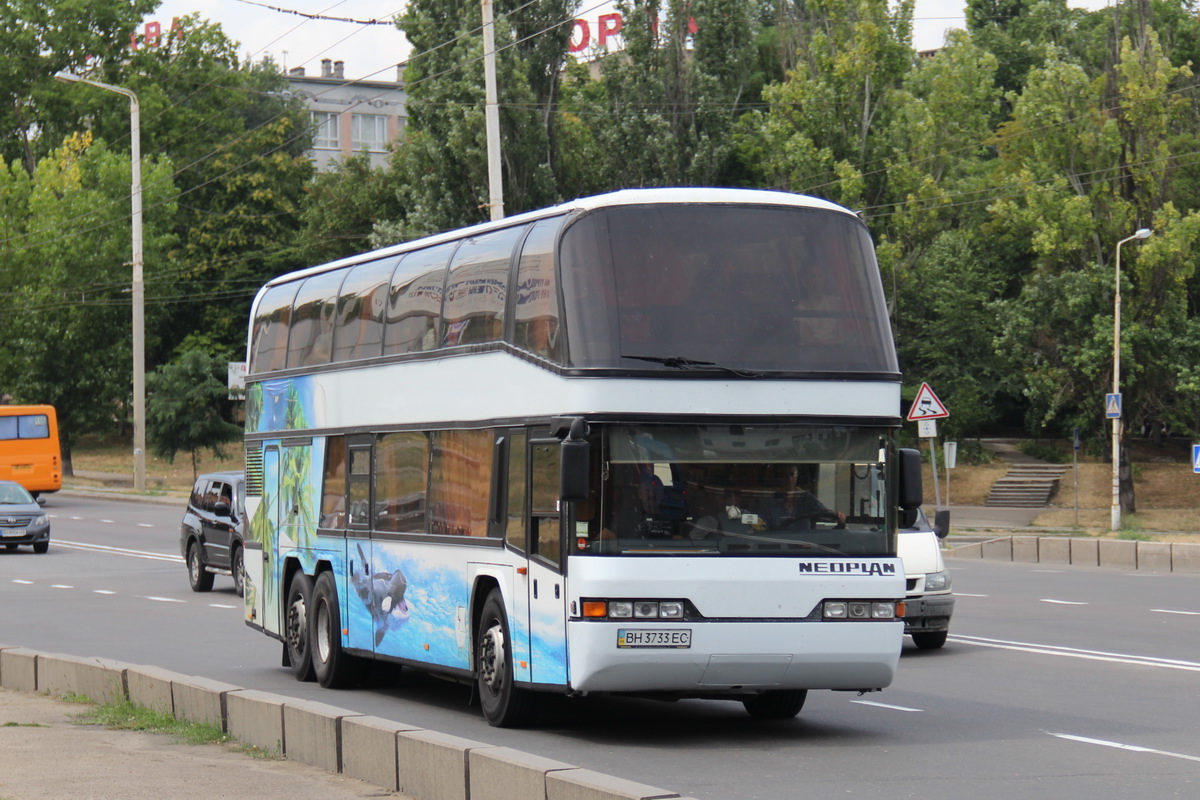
x,y
927,405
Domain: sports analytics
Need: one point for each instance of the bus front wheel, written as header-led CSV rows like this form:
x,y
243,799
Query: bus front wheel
x,y
334,667
504,704
298,605
776,703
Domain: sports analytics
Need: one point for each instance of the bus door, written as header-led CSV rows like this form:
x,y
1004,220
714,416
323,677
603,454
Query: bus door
x,y
546,559
262,561
365,630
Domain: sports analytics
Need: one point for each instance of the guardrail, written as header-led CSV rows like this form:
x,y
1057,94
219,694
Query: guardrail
x,y
424,764
1084,551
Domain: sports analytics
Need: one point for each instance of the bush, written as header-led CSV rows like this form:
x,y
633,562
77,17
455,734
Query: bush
x,y
1043,451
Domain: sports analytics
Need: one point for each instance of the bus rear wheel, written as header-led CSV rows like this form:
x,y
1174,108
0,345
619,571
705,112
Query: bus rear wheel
x,y
298,604
335,668
776,704
504,704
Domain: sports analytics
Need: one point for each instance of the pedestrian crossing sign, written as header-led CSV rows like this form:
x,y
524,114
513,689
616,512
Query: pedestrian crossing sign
x,y
1112,405
1196,458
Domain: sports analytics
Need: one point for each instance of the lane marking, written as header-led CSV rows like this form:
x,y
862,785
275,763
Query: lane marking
x,y
885,705
145,525
220,605
1071,652
25,582
119,551
1172,611
968,594
162,599
61,586
1064,602
102,591
1121,746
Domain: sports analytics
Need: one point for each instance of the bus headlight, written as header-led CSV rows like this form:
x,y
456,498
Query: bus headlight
x,y
634,609
858,609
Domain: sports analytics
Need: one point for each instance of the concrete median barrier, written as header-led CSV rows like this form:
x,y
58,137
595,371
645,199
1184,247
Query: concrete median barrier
x,y
424,764
256,718
100,680
18,669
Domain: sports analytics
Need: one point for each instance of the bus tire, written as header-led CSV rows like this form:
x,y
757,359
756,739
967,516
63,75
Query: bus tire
x,y
237,566
504,704
298,605
200,578
335,668
776,703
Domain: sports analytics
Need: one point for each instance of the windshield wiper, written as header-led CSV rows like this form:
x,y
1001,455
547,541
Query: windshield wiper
x,y
681,362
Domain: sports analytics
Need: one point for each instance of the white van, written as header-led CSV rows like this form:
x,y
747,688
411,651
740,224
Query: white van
x,y
928,603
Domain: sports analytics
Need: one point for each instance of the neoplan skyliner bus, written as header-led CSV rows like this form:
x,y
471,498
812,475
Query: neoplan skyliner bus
x,y
639,443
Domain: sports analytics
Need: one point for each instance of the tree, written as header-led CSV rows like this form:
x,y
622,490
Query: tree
x,y
187,407
42,37
443,161
65,326
826,121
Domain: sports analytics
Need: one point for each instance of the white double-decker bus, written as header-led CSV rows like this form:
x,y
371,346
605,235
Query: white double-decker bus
x,y
638,443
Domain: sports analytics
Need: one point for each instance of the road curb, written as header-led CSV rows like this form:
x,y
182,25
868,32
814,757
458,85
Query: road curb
x,y
421,763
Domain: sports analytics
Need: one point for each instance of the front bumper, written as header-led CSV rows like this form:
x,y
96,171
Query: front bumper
x,y
929,612
736,657
30,535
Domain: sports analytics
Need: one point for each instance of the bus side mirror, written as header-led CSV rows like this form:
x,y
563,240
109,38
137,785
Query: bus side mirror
x,y
574,463
910,489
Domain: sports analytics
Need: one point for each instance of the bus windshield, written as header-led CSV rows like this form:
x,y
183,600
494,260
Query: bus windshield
x,y
748,288
734,490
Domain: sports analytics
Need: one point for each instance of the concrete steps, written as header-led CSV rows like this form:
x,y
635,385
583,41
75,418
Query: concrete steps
x,y
1026,485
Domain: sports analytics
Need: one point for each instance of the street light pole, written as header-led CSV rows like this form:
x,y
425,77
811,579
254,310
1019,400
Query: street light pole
x,y
139,288
1140,233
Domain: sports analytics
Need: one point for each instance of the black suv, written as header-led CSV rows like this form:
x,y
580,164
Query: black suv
x,y
214,524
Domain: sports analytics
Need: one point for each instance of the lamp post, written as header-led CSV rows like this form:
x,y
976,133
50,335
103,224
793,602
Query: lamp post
x,y
1140,233
139,289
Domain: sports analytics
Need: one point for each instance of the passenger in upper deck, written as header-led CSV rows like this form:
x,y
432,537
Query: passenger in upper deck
x,y
793,508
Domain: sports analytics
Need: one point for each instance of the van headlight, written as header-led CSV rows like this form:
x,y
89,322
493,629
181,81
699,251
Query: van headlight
x,y
937,581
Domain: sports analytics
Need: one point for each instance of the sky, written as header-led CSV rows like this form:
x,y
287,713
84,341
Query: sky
x,y
372,51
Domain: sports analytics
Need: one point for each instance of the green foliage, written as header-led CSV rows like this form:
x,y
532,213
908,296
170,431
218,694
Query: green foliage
x,y
125,716
65,332
1043,451
184,407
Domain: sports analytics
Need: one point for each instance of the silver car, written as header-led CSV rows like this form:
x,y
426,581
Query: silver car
x,y
22,520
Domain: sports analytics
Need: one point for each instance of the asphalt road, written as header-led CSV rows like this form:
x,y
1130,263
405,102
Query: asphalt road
x,y
1076,683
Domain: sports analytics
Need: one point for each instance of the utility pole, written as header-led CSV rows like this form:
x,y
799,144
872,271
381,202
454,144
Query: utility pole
x,y
492,114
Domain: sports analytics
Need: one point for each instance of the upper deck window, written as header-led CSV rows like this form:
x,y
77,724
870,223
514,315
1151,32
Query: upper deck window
x,y
758,288
477,287
414,308
536,303
359,326
271,322
310,342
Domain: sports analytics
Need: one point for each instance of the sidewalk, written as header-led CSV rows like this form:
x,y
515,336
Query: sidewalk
x,y
45,756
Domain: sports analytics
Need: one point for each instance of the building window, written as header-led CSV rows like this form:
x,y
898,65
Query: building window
x,y
325,131
369,132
